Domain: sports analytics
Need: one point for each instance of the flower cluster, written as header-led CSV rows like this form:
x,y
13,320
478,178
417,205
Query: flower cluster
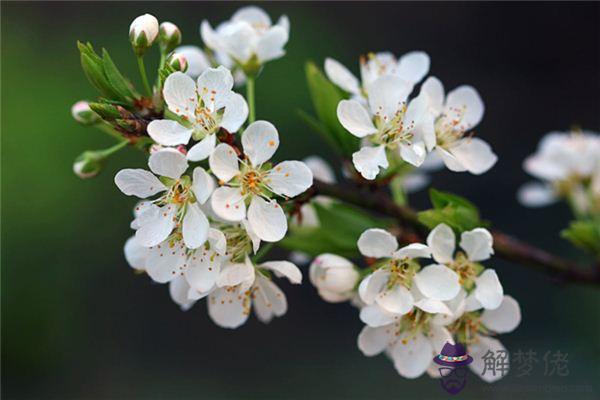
x,y
568,167
393,127
410,308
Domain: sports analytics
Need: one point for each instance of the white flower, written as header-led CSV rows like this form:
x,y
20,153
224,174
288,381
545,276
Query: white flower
x,y
243,285
204,108
196,60
477,246
388,124
169,36
568,165
248,37
250,182
177,208
334,277
456,114
143,32
399,283
411,67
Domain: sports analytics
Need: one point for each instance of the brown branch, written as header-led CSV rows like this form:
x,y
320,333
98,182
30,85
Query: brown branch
x,y
505,246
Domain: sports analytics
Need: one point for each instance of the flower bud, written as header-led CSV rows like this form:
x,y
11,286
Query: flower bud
x,y
178,62
143,32
88,164
169,36
83,114
334,277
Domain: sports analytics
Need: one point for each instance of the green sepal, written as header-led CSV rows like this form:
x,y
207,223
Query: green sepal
x,y
107,112
584,234
453,210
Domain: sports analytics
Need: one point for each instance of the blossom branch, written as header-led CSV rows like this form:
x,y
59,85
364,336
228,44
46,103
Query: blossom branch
x,y
506,246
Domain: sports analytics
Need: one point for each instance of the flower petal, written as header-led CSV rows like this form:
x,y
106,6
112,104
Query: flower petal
x,y
377,243
165,262
413,153
477,243
269,300
372,341
135,254
478,351
253,15
475,155
214,87
355,118
368,160
168,162
235,114
196,60
195,227
236,274
180,95
375,316
441,241
437,282
203,270
433,89
387,95
372,285
223,162
450,160
270,45
253,236
413,250
412,355
489,291
217,240
505,318
138,182
536,194
168,133
397,300
226,307
320,169
413,66
267,219
203,184
228,203
438,336
290,178
156,226
433,306
284,268
260,141
178,289
339,75
201,150
466,101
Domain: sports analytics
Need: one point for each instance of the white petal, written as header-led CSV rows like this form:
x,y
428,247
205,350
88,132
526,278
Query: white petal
x,y
209,36
168,133
201,150
368,160
472,304
226,307
398,300
138,182
238,39
438,336
372,285
260,141
178,289
270,45
284,268
449,160
377,243
267,219
269,300
467,100
290,178
441,241
340,75
456,306
479,350
202,184
433,306
217,240
433,89
375,316
164,262
387,95
203,270
477,244
195,227
372,341
415,181
413,250
236,112
236,274
413,66
180,95
253,236
412,355
158,226
223,162
355,118
413,153
536,194
135,254
196,60
437,282
228,203
475,155
214,87
320,169
253,15
168,162
489,291
505,318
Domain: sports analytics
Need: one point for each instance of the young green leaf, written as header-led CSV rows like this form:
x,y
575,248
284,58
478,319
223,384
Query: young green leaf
x,y
115,78
584,234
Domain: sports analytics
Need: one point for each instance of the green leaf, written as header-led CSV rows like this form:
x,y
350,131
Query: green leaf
x,y
115,78
441,199
453,210
584,234
325,97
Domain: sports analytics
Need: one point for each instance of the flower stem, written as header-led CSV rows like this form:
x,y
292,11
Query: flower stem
x,y
250,98
142,68
262,252
115,148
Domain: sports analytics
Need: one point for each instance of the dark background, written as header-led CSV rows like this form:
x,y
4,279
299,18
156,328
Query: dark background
x,y
78,323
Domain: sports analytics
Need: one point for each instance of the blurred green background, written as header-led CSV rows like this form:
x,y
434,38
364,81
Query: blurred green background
x,y
78,323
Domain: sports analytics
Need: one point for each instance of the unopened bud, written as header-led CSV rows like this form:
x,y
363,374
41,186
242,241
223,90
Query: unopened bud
x,y
169,36
178,62
334,277
143,32
83,114
88,164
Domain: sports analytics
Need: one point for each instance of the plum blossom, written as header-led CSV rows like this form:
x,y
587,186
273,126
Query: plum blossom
x,y
455,115
251,181
388,124
203,108
249,38
568,166
411,67
177,209
334,277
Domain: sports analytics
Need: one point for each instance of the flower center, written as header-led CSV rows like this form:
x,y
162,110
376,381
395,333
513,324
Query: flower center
x,y
468,327
467,270
448,128
402,272
393,131
239,243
